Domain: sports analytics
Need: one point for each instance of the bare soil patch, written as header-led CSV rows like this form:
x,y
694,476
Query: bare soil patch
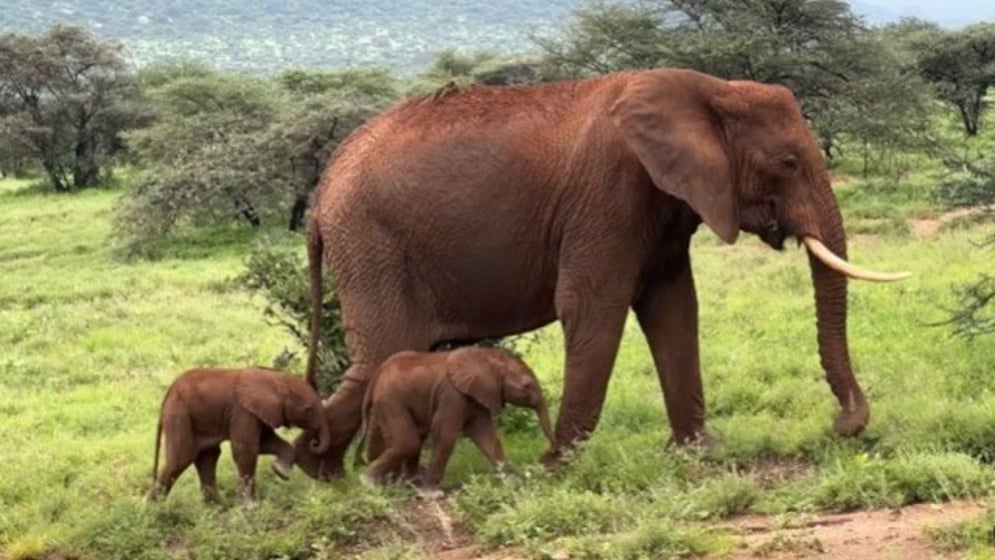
x,y
866,535
883,534
928,227
433,527
776,471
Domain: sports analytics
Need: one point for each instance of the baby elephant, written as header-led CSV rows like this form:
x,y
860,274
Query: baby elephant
x,y
442,395
204,407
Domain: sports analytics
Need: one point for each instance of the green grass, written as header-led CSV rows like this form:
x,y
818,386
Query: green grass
x,y
89,345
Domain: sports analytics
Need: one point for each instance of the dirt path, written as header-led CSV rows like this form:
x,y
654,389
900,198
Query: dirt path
x,y
862,535
928,227
870,535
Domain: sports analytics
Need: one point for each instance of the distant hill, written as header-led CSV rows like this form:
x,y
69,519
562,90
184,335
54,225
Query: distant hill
x,y
268,34
263,35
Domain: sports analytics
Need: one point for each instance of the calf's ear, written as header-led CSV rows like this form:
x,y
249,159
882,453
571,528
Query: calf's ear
x,y
262,393
475,378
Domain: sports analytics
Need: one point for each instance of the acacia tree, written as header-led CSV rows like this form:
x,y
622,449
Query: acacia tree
x,y
64,98
452,68
971,184
961,67
227,147
817,48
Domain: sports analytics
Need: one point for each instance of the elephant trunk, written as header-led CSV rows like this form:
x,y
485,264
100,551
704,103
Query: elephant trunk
x,y
547,426
830,310
320,444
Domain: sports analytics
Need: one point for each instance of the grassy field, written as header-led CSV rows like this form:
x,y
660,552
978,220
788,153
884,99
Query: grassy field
x,y
89,345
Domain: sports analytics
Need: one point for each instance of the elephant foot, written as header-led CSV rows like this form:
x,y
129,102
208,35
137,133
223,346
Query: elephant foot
x,y
414,477
247,491
850,423
507,472
430,492
282,469
556,458
701,441
368,481
156,493
211,495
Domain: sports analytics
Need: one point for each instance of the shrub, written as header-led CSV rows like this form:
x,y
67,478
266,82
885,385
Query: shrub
x,y
280,274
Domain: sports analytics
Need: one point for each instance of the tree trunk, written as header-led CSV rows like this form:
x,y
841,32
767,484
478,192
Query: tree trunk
x,y
831,313
970,121
86,172
247,210
55,176
297,212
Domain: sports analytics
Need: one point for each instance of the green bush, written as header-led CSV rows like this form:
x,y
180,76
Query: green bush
x,y
864,481
280,274
554,513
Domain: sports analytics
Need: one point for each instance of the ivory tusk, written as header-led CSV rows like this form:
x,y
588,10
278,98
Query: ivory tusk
x,y
831,260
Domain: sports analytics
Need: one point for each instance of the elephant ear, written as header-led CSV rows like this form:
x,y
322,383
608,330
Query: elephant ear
x,y
473,376
262,393
666,120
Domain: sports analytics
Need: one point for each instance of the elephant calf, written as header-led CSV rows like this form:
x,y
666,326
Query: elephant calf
x,y
441,396
204,407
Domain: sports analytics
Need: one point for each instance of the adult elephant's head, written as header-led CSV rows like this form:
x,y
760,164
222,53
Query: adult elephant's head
x,y
741,155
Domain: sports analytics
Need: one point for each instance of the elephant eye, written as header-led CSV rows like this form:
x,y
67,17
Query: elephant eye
x,y
790,162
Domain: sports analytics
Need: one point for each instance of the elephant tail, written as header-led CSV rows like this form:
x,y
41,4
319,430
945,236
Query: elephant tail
x,y
155,455
158,433
315,249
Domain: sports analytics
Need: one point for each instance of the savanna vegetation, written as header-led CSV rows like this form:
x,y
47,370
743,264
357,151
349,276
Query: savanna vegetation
x,y
150,221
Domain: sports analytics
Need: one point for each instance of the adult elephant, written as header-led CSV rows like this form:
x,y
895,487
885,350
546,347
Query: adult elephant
x,y
492,211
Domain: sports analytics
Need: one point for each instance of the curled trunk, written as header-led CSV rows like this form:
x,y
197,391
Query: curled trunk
x,y
320,444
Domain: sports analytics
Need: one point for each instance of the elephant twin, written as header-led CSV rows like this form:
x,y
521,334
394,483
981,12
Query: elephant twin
x,y
496,210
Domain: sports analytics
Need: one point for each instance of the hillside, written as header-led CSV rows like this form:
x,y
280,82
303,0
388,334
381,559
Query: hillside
x,y
277,33
270,34
950,13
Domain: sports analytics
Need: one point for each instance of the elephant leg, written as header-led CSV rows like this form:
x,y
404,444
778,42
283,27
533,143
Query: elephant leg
x,y
412,471
245,440
444,435
592,313
483,434
401,443
207,466
374,442
668,315
180,453
272,444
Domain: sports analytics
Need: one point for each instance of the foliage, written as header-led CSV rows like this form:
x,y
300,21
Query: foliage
x,y
961,66
281,275
484,67
64,98
226,146
848,83
968,183
966,534
971,184
202,149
